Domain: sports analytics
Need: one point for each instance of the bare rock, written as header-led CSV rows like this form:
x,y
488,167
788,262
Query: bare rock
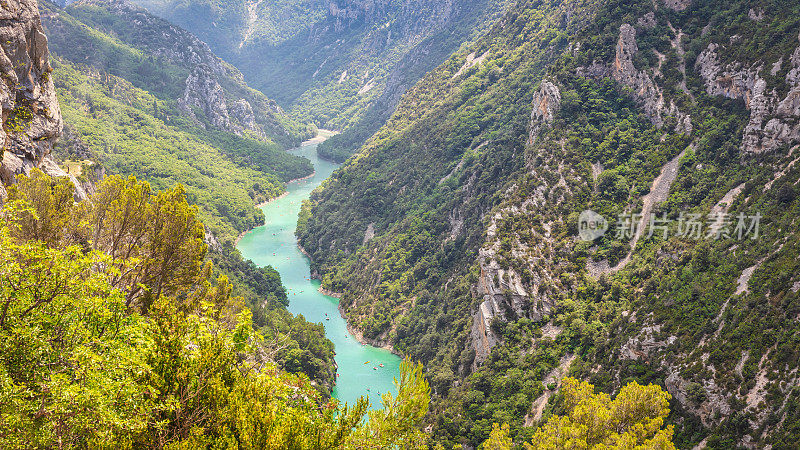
x,y
31,115
623,70
50,167
756,14
204,93
482,337
677,5
369,233
774,121
645,343
212,242
643,88
546,103
242,113
505,298
647,21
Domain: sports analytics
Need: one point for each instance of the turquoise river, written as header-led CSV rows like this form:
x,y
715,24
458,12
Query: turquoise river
x,y
275,244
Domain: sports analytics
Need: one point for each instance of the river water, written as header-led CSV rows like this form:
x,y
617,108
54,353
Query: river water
x,y
275,244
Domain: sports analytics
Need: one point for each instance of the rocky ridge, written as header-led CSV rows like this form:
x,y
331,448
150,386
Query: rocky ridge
x,y
214,94
774,119
642,87
505,296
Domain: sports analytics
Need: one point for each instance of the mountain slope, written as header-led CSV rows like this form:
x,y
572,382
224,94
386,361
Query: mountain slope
x,y
158,108
339,65
117,37
453,234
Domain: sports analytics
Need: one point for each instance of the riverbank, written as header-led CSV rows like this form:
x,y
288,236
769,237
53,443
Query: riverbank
x,y
363,370
350,328
263,204
322,135
360,336
285,193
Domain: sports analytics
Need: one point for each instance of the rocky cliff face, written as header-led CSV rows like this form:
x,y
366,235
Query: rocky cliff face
x,y
31,117
205,96
505,296
774,118
641,82
203,93
415,15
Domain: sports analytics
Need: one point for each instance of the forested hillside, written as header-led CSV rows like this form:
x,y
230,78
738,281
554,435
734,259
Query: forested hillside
x,y
116,330
340,65
454,233
130,103
144,346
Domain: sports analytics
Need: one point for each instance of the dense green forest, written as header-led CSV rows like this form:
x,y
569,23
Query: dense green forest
x,y
116,333
474,187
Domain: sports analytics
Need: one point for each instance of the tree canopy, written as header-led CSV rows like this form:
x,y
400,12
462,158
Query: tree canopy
x,y
178,365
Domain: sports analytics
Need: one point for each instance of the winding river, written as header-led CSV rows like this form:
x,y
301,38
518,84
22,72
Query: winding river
x,y
274,244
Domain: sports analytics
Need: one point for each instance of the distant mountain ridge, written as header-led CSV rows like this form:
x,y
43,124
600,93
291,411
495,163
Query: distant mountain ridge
x,y
340,65
163,107
211,88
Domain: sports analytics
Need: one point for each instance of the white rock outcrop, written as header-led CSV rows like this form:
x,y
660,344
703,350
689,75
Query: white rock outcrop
x,y
774,121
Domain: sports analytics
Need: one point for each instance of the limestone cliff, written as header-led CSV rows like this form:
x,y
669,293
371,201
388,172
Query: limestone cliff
x,y
774,118
30,113
648,93
504,294
204,93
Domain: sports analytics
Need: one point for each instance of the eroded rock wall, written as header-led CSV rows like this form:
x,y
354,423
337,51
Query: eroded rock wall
x,y
30,113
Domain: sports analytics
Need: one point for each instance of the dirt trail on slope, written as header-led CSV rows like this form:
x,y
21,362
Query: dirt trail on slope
x,y
677,44
658,194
